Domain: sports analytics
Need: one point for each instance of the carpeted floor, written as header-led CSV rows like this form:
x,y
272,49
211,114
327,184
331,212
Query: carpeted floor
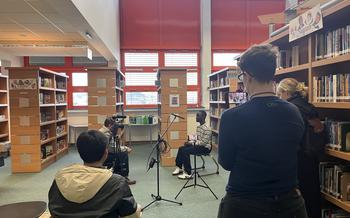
x,y
197,202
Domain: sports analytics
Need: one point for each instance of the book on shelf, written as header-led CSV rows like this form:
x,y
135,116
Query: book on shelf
x,y
213,83
60,98
331,88
61,144
214,111
213,97
44,134
60,129
61,85
334,212
288,58
46,150
59,114
45,116
339,135
335,179
332,43
44,98
45,82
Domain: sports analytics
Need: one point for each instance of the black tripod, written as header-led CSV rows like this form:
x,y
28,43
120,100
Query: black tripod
x,y
158,197
194,175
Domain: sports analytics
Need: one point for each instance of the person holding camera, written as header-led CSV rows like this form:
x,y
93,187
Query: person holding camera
x,y
118,155
90,190
258,144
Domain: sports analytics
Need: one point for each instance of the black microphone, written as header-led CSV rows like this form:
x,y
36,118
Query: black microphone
x,y
177,115
118,116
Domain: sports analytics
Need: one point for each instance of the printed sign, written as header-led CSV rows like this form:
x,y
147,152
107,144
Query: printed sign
x,y
22,84
306,23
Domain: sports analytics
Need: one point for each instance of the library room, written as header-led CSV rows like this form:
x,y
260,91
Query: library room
x,y
175,108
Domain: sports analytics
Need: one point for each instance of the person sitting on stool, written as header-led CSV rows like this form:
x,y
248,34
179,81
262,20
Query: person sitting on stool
x,y
117,154
199,146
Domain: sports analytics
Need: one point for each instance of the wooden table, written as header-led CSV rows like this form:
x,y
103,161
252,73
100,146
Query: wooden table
x,y
28,209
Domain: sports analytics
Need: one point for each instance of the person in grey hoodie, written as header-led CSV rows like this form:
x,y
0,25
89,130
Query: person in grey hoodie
x,y
90,190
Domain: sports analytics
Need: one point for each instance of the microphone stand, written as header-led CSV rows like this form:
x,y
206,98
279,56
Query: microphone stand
x,y
158,197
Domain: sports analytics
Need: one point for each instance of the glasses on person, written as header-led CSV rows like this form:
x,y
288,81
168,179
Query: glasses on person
x,y
240,76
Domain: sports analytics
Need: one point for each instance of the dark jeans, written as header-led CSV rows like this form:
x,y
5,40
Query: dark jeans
x,y
309,183
120,163
183,155
289,205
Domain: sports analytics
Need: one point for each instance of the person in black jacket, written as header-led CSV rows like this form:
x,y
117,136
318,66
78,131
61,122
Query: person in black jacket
x,y
258,144
312,146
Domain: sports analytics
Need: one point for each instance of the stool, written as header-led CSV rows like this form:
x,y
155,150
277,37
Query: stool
x,y
28,209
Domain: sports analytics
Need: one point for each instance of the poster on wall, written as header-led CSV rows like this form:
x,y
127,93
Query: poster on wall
x,y
18,84
174,101
306,23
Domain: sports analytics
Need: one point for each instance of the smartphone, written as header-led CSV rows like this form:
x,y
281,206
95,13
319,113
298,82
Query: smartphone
x,y
237,98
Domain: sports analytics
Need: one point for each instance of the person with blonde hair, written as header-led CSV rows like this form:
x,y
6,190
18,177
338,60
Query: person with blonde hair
x,y
312,145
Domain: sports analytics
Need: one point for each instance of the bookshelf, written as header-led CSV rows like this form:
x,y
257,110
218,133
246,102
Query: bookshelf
x,y
105,95
4,109
172,98
220,83
39,124
322,61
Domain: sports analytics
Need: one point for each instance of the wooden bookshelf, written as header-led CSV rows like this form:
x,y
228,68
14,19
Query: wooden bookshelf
x,y
345,205
332,105
338,154
311,66
221,83
4,109
105,95
35,109
173,98
303,67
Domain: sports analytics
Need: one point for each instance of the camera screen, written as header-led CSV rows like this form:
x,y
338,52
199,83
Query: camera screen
x,y
237,97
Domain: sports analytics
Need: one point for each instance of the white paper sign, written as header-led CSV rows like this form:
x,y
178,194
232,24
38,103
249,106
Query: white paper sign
x,y
306,23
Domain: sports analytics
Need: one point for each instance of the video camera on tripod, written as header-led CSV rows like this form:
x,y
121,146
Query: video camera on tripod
x,y
118,119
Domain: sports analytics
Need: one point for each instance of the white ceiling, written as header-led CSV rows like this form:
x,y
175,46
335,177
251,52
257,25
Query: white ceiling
x,y
24,22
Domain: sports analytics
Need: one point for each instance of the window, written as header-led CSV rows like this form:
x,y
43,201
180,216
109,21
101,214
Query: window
x,y
140,75
140,79
192,78
225,59
80,99
141,98
141,59
181,59
192,97
79,79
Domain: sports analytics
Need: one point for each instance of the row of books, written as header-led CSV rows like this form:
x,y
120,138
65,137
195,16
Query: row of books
x,y
335,180
60,98
46,82
214,111
44,98
60,129
48,149
339,135
61,85
219,83
288,58
334,213
214,124
331,88
332,43
213,97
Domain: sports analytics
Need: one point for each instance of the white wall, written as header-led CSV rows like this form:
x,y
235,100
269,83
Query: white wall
x,y
205,49
103,17
16,61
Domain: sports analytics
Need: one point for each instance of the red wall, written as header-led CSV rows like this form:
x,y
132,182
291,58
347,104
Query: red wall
x,y
160,24
235,24
175,24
